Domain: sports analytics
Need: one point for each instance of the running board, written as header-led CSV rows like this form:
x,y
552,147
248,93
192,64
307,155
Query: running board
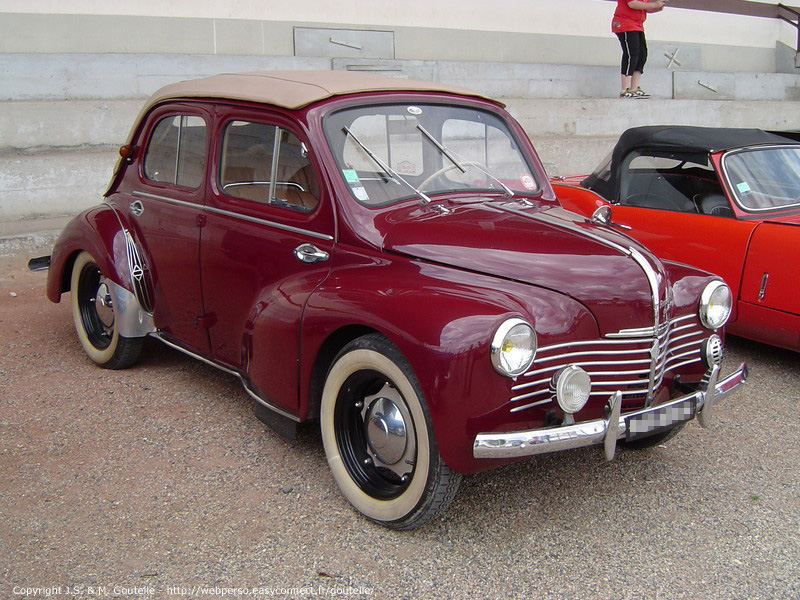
x,y
279,420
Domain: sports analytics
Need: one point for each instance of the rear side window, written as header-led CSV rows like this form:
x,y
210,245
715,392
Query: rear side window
x,y
176,152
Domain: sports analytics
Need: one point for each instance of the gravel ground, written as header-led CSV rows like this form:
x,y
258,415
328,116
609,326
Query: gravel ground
x,y
158,482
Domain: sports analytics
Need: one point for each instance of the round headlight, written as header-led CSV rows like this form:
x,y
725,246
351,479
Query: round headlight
x,y
716,303
513,347
573,385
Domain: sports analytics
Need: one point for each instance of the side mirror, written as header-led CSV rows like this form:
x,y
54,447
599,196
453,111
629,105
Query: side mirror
x,y
602,216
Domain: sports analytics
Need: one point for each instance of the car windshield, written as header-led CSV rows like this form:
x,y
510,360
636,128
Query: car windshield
x,y
389,152
764,179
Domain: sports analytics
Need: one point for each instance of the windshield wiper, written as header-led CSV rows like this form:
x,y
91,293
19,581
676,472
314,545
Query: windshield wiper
x,y
394,175
454,158
441,148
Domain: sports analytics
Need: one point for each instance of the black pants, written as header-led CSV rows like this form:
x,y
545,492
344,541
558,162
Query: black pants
x,y
634,51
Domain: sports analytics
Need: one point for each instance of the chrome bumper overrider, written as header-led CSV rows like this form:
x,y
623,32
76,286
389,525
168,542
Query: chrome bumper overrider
x,y
607,431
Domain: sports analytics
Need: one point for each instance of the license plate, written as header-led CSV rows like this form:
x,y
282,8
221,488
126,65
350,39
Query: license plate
x,y
660,418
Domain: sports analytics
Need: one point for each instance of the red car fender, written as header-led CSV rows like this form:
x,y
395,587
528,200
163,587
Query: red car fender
x,y
577,199
100,232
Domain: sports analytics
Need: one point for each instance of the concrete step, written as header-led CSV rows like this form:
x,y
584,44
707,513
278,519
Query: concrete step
x,y
52,184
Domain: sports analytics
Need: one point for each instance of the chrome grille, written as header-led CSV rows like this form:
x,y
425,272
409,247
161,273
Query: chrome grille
x,y
623,361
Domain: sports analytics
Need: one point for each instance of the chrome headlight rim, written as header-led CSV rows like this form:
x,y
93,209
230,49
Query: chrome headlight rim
x,y
569,376
714,316
498,349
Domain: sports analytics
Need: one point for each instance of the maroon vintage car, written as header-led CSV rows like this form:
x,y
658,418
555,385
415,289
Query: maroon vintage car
x,y
388,257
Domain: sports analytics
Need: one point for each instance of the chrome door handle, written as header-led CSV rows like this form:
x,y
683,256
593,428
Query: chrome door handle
x,y
309,253
137,208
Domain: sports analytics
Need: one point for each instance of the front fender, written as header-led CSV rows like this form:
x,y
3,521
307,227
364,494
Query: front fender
x,y
443,320
577,199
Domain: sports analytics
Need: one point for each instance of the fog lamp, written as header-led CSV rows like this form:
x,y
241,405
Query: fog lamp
x,y
572,385
712,351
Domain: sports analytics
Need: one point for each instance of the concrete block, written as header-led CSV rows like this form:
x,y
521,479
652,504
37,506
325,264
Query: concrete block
x,y
35,125
52,184
115,76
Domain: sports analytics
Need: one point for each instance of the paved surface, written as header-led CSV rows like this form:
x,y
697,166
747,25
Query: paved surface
x,y
158,482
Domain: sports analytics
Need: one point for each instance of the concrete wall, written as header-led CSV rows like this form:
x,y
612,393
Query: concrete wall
x,y
73,74
535,31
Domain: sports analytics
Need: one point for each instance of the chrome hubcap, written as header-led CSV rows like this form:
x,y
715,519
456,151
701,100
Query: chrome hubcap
x,y
104,305
390,442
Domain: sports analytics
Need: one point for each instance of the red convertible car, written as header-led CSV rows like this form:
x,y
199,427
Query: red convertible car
x,y
723,200
388,258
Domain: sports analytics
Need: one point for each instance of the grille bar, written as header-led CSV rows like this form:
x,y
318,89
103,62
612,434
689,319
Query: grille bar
x,y
619,361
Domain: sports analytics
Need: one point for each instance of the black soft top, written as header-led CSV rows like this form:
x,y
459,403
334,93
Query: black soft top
x,y
680,138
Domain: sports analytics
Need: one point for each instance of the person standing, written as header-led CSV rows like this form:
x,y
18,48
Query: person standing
x,y
628,24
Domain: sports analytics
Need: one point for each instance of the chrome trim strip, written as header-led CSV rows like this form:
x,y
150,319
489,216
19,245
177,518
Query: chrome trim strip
x,y
273,224
554,221
518,444
159,336
234,215
539,403
194,205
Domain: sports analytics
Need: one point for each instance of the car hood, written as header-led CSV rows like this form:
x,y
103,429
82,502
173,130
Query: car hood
x,y
543,246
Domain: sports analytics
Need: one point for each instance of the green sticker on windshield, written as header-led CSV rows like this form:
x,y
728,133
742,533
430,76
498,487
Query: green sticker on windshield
x,y
743,187
350,175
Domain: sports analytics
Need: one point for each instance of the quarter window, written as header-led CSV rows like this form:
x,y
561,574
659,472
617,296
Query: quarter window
x,y
268,164
176,152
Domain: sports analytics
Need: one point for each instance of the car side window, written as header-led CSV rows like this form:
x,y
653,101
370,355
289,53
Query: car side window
x,y
176,151
668,181
268,164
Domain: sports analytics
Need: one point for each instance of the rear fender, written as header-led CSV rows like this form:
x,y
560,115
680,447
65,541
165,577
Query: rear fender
x,y
101,232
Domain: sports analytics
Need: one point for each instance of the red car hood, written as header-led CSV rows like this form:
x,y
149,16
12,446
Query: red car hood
x,y
550,248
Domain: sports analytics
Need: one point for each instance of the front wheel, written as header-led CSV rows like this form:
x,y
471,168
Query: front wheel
x,y
378,437
95,317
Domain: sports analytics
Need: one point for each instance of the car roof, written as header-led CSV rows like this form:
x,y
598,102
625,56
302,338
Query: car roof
x,y
682,138
296,89
702,139
287,89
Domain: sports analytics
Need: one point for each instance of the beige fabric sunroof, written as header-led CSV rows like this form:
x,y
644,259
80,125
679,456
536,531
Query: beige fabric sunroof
x,y
293,89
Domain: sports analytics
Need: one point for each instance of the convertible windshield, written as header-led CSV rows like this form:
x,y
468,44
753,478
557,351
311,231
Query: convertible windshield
x,y
388,152
764,179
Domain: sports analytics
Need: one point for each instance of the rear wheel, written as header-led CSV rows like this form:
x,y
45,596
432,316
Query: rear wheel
x,y
378,437
95,317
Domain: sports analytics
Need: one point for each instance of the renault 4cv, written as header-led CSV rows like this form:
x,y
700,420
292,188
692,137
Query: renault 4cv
x,y
388,258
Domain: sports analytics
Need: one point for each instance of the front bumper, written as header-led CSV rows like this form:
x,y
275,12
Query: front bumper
x,y
630,426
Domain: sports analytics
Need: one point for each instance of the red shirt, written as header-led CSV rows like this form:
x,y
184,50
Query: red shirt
x,y
627,19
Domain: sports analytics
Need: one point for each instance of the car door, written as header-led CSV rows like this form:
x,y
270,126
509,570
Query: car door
x,y
163,204
770,274
265,247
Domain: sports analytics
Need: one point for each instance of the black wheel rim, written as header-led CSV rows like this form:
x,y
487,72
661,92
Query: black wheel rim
x,y
99,333
351,438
